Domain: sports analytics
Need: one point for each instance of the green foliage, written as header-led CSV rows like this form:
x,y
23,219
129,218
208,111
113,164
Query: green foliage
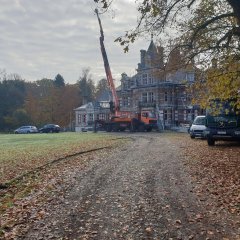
x,y
59,81
12,97
19,117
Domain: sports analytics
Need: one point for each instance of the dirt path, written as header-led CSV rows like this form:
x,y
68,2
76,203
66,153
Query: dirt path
x,y
142,191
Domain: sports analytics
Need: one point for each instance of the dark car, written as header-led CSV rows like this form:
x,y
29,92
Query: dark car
x,y
222,122
50,128
222,127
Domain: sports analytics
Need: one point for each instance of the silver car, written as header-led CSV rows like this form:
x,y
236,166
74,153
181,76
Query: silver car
x,y
198,127
26,129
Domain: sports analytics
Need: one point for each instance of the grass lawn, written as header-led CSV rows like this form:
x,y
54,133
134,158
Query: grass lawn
x,y
23,152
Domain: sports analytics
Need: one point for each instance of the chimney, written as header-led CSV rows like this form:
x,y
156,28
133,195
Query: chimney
x,y
160,56
143,54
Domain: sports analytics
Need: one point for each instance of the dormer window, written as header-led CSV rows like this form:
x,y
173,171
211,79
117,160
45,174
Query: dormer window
x,y
132,82
150,79
144,79
190,77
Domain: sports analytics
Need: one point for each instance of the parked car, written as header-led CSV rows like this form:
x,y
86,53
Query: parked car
x,y
50,128
198,127
26,129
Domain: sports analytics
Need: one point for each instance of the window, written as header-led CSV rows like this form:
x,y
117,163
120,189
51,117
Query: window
x,y
90,117
190,77
104,104
120,102
170,114
171,97
84,118
137,80
166,96
150,97
144,79
125,101
184,96
79,118
101,116
165,114
150,79
144,97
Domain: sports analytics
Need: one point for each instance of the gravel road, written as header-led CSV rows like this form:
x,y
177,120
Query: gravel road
x,y
139,191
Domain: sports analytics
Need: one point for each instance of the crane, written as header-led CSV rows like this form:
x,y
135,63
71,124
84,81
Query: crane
x,y
122,120
107,68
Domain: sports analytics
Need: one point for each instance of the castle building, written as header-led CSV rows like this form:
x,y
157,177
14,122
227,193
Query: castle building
x,y
159,85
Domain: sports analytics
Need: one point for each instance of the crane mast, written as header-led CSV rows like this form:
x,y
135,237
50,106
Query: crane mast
x,y
107,68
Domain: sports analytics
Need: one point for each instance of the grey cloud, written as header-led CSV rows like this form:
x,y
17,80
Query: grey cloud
x,y
42,38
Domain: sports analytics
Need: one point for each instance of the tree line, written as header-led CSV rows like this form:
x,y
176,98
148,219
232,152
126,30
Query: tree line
x,y
44,101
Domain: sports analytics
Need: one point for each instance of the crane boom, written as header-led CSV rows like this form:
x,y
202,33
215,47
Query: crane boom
x,y
107,67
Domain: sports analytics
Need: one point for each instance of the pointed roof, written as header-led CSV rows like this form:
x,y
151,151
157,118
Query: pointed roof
x,y
152,50
175,60
106,95
85,106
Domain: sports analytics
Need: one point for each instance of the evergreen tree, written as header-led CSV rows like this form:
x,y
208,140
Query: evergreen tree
x,y
59,81
12,94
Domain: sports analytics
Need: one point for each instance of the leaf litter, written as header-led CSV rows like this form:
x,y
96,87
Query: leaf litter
x,y
25,201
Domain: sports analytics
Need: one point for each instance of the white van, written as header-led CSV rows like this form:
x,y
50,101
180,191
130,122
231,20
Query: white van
x,y
198,127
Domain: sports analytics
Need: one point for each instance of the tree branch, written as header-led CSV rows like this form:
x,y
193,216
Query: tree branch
x,y
212,20
191,3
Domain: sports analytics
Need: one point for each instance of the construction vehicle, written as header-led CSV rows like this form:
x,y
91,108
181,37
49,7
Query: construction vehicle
x,y
122,120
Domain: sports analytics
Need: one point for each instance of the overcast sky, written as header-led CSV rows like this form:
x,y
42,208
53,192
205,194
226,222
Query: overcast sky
x,y
41,38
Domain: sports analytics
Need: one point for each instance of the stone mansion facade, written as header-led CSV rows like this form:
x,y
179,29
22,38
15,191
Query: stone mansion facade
x,y
158,85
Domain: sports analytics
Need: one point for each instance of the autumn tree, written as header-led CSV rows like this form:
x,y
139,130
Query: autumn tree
x,y
69,100
46,103
34,103
205,31
42,100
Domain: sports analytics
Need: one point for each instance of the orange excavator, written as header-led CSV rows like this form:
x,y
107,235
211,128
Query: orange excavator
x,y
121,120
